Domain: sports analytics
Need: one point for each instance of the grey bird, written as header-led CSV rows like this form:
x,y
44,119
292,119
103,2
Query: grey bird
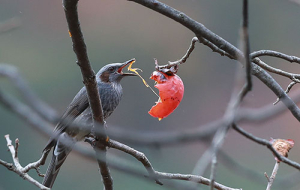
x,y
110,89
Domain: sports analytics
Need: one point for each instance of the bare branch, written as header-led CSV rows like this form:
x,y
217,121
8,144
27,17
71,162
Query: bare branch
x,y
246,45
277,54
292,76
183,59
194,178
79,47
213,171
138,155
89,80
272,177
37,164
160,175
214,48
125,166
290,86
268,145
104,170
17,168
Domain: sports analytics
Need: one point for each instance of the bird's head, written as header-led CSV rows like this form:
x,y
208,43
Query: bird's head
x,y
113,72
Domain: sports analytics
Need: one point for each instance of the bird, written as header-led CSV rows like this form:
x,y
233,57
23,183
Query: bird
x,y
64,136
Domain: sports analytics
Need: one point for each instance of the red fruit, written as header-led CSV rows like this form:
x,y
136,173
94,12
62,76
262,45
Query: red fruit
x,y
171,91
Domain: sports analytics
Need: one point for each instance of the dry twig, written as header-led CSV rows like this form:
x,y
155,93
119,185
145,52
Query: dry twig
x,y
17,167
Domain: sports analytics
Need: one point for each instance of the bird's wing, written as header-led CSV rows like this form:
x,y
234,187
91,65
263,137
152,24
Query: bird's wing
x,y
76,107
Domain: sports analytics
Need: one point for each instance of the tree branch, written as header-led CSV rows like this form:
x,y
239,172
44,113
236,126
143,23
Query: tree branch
x,y
268,145
153,174
138,155
246,45
89,80
18,169
277,54
273,175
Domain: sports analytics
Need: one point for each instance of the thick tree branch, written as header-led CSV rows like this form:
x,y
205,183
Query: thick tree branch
x,y
246,44
79,47
89,80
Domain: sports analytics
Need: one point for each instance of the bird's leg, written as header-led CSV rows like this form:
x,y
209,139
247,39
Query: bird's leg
x,y
91,140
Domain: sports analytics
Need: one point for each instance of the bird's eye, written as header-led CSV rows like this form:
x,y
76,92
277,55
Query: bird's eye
x,y
111,69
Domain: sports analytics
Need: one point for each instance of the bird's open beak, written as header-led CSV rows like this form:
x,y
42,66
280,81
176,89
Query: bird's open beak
x,y
131,61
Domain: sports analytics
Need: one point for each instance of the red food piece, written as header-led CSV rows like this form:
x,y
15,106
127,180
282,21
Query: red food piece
x,y
171,91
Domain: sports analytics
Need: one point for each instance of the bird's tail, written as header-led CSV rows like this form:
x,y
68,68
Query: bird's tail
x,y
60,154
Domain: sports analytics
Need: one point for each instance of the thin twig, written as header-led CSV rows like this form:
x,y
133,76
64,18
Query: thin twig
x,y
213,172
292,76
214,48
183,59
273,175
138,155
37,164
277,54
289,87
17,168
194,178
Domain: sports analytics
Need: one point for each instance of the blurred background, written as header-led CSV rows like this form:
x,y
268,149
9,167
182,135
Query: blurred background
x,y
116,31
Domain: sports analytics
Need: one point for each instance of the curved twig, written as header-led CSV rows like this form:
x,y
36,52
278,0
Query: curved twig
x,y
289,87
138,155
277,54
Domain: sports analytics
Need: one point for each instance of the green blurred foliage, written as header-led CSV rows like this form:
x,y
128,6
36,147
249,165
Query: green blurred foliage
x,y
116,31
